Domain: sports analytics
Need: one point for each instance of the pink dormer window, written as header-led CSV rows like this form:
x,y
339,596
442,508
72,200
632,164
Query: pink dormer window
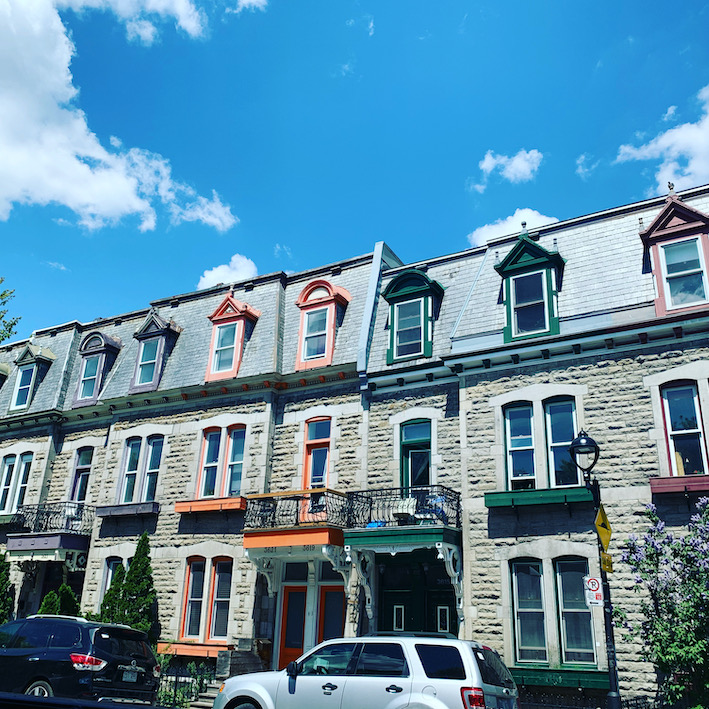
x,y
319,304
229,321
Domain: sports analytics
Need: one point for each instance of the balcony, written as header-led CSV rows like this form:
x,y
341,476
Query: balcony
x,y
286,510
430,505
72,517
58,531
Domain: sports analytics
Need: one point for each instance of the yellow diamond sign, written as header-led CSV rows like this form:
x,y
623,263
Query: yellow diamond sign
x,y
603,527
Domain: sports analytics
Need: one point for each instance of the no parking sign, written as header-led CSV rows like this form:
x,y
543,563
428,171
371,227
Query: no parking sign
x,y
593,591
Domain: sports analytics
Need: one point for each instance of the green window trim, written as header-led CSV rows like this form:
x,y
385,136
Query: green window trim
x,y
416,452
547,677
407,288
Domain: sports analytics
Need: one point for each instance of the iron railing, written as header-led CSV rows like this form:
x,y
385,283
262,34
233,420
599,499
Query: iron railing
x,y
296,508
180,686
73,517
392,507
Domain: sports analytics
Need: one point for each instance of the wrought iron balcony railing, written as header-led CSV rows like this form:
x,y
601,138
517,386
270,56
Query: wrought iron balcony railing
x,y
426,505
296,508
73,517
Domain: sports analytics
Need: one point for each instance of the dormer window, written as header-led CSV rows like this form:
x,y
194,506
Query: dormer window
x,y
678,245
322,307
32,364
414,300
156,337
531,280
232,324
98,353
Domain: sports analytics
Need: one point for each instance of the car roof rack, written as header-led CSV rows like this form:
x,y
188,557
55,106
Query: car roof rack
x,y
409,634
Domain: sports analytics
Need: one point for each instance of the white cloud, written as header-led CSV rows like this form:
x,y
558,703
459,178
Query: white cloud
x,y
239,268
509,225
186,16
669,113
51,156
56,265
682,152
585,166
250,5
521,167
278,248
141,30
370,25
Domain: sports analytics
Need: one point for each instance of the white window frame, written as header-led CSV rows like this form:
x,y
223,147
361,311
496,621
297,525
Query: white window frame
x,y
29,387
224,465
422,326
325,331
96,377
666,277
150,362
15,479
142,470
217,350
671,433
549,446
214,584
112,562
513,305
517,610
561,611
81,472
510,449
194,598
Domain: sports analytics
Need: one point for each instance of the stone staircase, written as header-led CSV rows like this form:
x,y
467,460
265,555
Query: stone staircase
x,y
206,698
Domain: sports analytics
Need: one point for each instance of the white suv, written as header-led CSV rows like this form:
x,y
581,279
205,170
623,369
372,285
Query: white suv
x,y
380,672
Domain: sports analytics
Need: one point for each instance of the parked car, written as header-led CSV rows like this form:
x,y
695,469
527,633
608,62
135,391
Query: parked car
x,y
380,672
49,655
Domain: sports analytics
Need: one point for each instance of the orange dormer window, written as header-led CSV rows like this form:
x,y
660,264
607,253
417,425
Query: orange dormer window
x,y
321,306
231,322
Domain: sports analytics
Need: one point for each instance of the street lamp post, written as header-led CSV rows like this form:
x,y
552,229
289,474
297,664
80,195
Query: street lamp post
x,y
584,452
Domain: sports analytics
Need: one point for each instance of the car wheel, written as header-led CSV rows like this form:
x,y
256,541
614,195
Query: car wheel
x,y
40,688
244,705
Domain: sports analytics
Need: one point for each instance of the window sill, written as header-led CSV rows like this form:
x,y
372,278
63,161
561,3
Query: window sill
x,y
546,677
132,509
218,504
552,496
188,648
679,483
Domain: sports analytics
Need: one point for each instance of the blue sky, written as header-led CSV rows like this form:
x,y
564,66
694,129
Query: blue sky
x,y
151,147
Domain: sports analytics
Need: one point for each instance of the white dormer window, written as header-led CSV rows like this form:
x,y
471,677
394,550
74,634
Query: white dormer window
x,y
23,386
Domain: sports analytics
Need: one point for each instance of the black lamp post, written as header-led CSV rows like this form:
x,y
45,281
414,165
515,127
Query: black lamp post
x,y
584,452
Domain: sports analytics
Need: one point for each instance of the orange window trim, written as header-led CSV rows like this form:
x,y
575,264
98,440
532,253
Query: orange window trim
x,y
186,592
212,580
310,445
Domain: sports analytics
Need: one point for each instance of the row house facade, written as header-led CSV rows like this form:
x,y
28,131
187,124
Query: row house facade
x,y
375,446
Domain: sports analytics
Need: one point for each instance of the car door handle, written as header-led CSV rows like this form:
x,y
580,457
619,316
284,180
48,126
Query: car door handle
x,y
329,687
32,659
393,689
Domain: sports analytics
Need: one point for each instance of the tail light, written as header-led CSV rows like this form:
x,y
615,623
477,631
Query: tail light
x,y
472,697
87,662
156,672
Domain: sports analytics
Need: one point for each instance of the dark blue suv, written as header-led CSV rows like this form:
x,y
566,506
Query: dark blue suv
x,y
71,657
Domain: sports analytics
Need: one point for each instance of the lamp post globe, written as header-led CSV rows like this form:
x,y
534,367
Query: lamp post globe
x,y
584,451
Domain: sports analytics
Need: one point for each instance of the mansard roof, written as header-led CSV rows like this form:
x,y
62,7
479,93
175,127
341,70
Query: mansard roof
x,y
675,219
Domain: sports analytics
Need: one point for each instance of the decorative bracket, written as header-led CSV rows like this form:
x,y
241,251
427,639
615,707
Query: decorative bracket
x,y
265,566
450,554
340,560
363,566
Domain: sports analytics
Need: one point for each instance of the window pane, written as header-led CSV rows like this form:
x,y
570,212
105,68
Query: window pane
x,y
687,289
681,257
133,455
315,345
226,336
419,430
213,439
520,426
146,373
318,430
26,376
531,639
382,660
155,453
236,459
318,466
220,619
528,289
85,456
561,421
149,351
441,661
409,328
90,367
688,454
577,632
565,470
571,575
419,462
316,322
529,586
329,660
683,414
531,636
530,318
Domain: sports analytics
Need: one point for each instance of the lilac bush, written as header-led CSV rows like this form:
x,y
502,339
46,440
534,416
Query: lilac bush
x,y
672,576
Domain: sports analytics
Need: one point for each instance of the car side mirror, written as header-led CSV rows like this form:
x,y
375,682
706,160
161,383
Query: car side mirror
x,y
292,669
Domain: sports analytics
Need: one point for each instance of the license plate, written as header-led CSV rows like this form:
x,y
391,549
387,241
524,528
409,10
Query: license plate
x,y
130,676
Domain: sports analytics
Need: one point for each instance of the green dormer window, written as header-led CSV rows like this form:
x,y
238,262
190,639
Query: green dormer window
x,y
413,301
532,279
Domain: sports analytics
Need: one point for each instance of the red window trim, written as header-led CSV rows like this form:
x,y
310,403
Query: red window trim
x,y
229,311
336,296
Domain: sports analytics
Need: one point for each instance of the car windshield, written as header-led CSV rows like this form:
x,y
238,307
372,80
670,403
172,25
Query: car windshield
x,y
492,669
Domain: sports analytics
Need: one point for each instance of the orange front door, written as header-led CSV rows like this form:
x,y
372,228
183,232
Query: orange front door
x,y
331,612
292,624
